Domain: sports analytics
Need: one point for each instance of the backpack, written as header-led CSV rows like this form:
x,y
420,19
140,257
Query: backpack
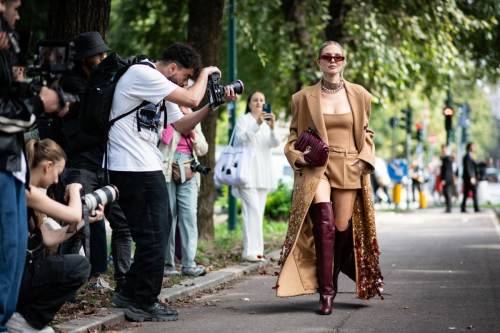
x,y
98,96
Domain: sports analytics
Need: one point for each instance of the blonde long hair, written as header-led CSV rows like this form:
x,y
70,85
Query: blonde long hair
x,y
38,151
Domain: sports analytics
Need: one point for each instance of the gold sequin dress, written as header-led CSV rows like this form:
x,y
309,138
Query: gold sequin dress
x,y
339,171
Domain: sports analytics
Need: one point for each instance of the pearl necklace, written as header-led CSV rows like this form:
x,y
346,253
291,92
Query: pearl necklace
x,y
332,91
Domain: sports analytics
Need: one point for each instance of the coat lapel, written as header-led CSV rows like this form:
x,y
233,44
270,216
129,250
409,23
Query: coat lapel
x,y
358,113
314,105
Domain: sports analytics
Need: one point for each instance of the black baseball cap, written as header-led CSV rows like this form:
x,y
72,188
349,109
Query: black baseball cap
x,y
89,44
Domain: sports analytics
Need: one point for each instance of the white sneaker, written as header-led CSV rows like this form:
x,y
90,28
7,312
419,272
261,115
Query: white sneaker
x,y
17,324
253,258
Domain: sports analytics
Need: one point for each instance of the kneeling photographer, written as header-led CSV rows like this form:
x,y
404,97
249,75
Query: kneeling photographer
x,y
48,283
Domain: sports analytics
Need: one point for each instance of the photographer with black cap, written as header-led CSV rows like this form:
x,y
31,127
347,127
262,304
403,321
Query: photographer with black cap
x,y
16,114
85,154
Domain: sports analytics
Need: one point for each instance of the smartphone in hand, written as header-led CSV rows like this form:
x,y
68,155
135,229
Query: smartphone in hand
x,y
266,107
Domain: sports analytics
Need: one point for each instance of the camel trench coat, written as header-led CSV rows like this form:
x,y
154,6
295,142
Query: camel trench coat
x,y
298,272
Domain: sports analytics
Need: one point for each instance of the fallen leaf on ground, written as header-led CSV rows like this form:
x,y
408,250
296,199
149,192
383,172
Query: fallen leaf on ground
x,y
470,326
406,307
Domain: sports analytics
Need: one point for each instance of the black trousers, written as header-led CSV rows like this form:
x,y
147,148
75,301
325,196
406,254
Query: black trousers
x,y
121,240
144,200
468,187
47,284
447,195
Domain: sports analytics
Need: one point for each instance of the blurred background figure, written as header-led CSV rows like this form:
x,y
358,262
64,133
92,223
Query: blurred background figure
x,y
380,180
256,129
483,191
417,178
446,175
470,178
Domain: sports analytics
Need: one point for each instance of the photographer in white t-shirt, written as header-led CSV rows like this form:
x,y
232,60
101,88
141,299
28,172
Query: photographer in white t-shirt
x,y
135,165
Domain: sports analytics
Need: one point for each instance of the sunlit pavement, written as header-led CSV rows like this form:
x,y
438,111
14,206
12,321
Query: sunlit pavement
x,y
441,272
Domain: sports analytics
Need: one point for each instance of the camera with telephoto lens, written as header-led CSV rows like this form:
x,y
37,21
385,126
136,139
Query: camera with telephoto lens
x,y
104,195
197,167
215,91
51,58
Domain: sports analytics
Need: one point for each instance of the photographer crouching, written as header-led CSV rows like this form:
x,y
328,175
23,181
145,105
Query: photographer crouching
x,y
16,115
48,283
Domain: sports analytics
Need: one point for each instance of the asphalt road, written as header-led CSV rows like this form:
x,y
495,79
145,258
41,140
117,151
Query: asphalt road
x,y
441,272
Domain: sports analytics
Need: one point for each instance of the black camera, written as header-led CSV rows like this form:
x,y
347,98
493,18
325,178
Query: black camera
x,y
53,57
197,167
215,91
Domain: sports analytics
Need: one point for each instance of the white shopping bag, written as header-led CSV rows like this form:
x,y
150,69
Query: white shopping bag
x,y
234,163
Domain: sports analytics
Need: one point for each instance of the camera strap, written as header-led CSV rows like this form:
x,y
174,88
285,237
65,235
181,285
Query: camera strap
x,y
85,211
189,146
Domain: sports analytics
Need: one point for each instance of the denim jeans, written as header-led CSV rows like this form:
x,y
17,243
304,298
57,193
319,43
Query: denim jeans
x,y
121,240
13,243
144,200
184,205
47,284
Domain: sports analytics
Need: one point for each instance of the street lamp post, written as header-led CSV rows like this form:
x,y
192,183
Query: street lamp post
x,y
231,106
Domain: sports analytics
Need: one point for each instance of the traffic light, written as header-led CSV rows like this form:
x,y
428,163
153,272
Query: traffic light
x,y
448,113
407,119
420,127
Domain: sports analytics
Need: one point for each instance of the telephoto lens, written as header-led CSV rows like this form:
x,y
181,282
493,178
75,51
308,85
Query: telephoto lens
x,y
104,195
236,85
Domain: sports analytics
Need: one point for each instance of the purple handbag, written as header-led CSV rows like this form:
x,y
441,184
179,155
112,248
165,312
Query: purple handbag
x,y
313,142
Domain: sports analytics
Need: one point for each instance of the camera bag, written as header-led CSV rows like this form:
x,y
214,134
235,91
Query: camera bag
x,y
188,171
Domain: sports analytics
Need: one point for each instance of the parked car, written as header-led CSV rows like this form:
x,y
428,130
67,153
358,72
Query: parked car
x,y
493,175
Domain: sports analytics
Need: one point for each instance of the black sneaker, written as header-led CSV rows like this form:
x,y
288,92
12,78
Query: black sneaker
x,y
121,301
156,312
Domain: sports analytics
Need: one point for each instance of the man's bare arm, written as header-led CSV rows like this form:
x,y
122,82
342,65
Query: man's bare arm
x,y
190,120
192,97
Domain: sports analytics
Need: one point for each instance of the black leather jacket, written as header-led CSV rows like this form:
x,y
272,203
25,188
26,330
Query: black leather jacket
x,y
16,115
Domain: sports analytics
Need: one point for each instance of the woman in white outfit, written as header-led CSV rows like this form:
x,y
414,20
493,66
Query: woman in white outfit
x,y
256,129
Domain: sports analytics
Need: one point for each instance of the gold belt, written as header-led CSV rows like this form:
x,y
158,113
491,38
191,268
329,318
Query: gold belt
x,y
344,151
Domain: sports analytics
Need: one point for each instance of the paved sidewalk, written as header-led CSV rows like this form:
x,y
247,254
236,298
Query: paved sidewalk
x,y
441,274
190,287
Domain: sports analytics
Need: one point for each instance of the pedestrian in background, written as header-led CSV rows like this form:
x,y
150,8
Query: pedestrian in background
x,y
417,178
470,178
328,202
256,129
183,194
483,192
447,179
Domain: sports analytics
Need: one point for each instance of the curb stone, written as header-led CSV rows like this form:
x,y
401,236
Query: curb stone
x,y
107,317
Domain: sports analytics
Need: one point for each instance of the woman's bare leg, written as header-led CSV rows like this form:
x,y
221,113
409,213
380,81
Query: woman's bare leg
x,y
343,202
323,192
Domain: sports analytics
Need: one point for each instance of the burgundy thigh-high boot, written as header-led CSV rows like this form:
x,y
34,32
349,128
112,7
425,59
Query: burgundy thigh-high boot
x,y
324,239
342,253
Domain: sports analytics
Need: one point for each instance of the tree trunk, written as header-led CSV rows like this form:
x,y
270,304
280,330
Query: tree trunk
x,y
204,34
335,29
295,14
69,18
